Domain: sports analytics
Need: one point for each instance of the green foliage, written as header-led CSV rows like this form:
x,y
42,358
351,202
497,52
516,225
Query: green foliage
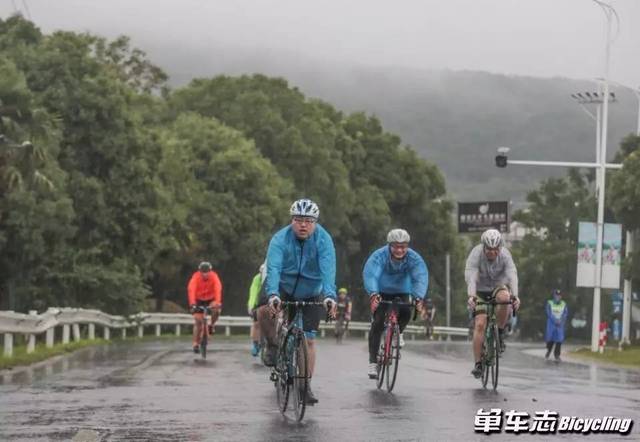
x,y
546,257
625,199
143,182
363,178
629,357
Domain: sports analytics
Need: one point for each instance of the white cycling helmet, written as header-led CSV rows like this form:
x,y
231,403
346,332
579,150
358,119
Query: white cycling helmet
x,y
398,235
305,207
491,238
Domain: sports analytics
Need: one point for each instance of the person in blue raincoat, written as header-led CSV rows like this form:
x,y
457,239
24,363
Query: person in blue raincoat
x,y
393,271
557,313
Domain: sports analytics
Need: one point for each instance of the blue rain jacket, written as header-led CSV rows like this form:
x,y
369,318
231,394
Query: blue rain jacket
x,y
555,311
382,274
306,266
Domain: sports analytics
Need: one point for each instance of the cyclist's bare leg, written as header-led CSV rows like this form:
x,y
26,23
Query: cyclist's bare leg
x,y
478,335
502,310
196,328
267,324
215,314
311,355
255,332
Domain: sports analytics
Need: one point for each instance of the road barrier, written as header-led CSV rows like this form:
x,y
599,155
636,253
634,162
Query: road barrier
x,y
71,320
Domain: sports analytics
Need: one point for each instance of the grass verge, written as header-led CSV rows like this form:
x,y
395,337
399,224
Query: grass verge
x,y
21,357
630,356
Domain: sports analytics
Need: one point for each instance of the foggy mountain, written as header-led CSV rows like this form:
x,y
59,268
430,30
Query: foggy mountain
x,y
456,119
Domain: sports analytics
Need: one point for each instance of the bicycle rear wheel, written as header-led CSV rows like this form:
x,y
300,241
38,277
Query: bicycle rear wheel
x,y
383,356
282,376
496,357
301,380
394,358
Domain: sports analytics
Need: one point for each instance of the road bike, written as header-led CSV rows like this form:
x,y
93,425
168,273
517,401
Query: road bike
x,y
290,372
389,352
490,356
342,324
203,338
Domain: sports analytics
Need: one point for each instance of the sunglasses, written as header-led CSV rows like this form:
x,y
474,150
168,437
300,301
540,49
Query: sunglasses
x,y
303,220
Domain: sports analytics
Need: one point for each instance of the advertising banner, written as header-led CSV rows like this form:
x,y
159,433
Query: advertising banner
x,y
611,255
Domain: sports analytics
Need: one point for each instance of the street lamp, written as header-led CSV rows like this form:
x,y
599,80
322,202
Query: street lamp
x,y
600,165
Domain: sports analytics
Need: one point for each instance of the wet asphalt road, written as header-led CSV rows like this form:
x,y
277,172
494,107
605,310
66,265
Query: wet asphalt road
x,y
157,390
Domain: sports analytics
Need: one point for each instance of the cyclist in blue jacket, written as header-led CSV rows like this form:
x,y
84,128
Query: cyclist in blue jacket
x,y
393,271
301,265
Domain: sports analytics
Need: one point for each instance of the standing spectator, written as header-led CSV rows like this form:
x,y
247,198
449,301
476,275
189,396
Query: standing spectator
x,y
557,313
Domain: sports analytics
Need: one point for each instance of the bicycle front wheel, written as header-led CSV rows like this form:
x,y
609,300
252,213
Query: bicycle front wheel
x,y
383,355
394,358
496,357
300,367
485,365
282,377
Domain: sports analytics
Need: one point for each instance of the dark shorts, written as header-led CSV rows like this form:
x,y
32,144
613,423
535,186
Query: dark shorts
x,y
311,314
485,296
201,303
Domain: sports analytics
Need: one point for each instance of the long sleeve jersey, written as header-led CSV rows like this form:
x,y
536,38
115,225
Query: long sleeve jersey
x,y
254,291
383,274
301,268
201,289
484,275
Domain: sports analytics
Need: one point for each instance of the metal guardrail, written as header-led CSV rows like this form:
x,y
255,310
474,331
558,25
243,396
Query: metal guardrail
x,y
70,319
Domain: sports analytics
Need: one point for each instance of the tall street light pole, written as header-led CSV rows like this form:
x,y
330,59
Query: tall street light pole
x,y
610,13
600,165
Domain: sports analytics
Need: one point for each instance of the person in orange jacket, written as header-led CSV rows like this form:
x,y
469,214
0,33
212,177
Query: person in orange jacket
x,y
204,289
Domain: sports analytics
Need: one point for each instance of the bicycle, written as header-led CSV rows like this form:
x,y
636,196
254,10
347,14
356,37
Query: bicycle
x,y
291,367
204,329
389,352
490,356
342,325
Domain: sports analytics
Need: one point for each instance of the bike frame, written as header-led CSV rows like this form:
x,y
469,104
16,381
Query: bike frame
x,y
384,360
291,337
203,337
490,352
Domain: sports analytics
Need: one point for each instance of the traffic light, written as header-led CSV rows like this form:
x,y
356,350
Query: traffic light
x,y
501,157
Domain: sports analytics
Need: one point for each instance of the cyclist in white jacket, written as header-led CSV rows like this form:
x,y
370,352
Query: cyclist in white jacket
x,y
490,270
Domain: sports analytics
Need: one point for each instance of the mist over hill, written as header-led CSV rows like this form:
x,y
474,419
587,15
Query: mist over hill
x,y
456,119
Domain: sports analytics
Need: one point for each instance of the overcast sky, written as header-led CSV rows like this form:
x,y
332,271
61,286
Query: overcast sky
x,y
528,37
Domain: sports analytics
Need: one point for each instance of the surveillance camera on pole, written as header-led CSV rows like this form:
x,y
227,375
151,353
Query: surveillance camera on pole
x,y
501,157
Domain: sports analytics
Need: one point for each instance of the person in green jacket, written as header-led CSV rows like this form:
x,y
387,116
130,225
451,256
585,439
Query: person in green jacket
x,y
252,309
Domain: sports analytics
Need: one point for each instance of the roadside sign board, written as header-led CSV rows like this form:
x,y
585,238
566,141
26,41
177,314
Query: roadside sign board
x,y
480,216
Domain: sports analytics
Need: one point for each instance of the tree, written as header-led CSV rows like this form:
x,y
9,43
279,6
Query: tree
x,y
546,257
228,199
625,198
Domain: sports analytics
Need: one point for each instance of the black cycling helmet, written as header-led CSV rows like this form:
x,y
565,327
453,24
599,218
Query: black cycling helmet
x,y
205,266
